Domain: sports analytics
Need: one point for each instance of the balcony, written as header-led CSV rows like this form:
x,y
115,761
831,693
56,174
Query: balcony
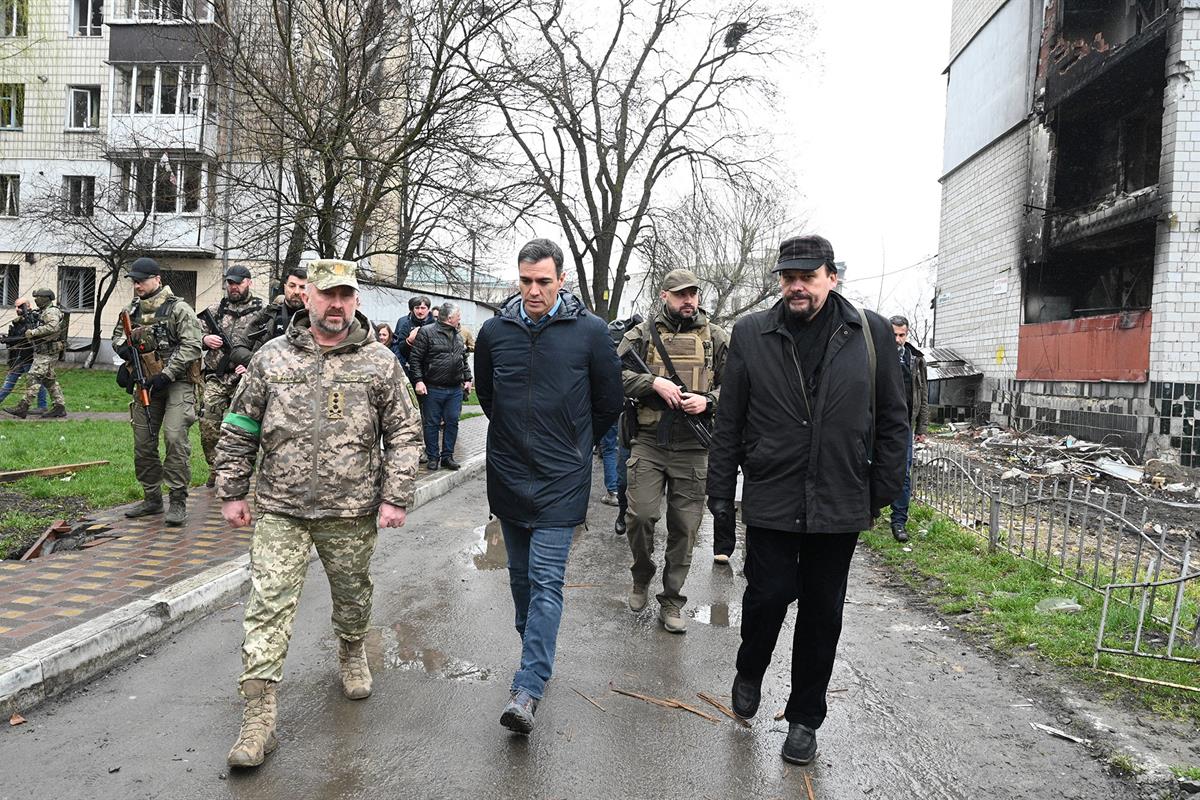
x,y
136,133
179,235
1109,347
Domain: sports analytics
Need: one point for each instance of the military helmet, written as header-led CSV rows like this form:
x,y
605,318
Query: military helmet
x,y
43,293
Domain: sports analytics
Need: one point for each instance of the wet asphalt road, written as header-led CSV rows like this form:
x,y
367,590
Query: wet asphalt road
x,y
914,713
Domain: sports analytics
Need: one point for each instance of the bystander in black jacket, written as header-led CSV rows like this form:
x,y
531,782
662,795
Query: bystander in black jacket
x,y
20,352
439,356
550,392
825,472
404,326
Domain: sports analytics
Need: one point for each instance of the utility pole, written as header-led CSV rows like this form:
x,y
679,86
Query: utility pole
x,y
471,294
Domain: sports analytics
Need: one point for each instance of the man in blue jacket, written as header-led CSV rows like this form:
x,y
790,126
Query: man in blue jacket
x,y
548,379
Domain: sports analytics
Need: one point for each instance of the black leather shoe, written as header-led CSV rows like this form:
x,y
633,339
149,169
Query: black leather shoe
x,y
899,534
433,466
745,697
450,463
800,746
619,525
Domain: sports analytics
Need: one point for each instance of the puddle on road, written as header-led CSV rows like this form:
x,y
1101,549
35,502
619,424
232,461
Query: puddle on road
x,y
489,553
394,648
719,615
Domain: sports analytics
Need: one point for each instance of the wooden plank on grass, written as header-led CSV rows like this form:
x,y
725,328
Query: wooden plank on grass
x,y
47,472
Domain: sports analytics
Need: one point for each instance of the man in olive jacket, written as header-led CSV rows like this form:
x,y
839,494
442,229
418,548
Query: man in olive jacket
x,y
317,403
821,442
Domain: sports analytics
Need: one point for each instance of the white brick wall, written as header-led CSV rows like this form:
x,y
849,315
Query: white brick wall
x,y
979,252
967,17
1174,355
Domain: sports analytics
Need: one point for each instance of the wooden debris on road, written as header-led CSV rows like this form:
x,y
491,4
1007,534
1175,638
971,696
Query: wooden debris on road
x,y
1037,726
47,472
590,700
16,719
808,786
669,702
724,709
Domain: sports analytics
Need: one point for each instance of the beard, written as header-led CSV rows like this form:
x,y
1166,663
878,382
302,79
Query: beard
x,y
804,315
332,326
236,295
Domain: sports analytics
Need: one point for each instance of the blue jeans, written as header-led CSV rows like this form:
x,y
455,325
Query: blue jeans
x,y
442,404
10,383
608,454
900,504
537,564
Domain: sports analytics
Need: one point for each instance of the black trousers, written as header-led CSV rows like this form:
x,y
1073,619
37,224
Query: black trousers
x,y
810,568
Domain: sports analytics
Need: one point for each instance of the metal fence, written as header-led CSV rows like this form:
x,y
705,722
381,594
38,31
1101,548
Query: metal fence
x,y
1106,541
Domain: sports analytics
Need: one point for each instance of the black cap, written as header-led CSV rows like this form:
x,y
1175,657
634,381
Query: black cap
x,y
805,253
142,268
236,274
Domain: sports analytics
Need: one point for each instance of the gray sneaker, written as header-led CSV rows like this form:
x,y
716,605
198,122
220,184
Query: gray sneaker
x,y
637,598
672,619
610,499
518,714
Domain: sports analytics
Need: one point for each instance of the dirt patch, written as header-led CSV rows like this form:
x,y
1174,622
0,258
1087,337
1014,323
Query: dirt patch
x,y
22,518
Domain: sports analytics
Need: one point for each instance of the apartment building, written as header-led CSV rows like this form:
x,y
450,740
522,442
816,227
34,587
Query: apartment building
x,y
1069,260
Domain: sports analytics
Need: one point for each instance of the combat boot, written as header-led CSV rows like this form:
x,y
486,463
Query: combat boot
x,y
177,511
256,739
21,409
57,411
356,673
151,505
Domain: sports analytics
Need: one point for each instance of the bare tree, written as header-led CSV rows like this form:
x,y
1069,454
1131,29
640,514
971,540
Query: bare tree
x,y
728,237
353,127
602,119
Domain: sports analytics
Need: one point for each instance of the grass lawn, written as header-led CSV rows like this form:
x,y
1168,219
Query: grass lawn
x,y
995,594
85,389
27,506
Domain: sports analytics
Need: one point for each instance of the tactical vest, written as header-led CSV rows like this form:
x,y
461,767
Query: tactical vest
x,y
51,343
154,316
235,322
692,354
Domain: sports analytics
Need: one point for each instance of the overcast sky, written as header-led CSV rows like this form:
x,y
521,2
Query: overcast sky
x,y
862,132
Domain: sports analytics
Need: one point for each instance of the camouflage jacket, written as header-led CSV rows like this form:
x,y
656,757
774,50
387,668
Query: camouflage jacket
x,y
175,336
318,418
639,385
268,323
47,337
234,319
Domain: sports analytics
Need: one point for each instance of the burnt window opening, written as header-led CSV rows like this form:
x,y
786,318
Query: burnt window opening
x,y
1139,143
1102,24
1092,281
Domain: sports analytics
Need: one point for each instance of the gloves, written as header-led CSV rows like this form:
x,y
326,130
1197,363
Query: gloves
x,y
159,382
722,511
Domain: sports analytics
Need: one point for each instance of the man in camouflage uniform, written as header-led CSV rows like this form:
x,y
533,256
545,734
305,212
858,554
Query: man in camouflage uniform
x,y
233,314
272,321
166,333
47,339
322,481
665,453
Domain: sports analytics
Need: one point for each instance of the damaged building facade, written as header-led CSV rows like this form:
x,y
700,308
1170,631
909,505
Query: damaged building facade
x,y
1069,258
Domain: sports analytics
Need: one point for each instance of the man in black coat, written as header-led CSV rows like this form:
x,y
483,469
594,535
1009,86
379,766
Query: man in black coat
x,y
548,379
821,440
438,364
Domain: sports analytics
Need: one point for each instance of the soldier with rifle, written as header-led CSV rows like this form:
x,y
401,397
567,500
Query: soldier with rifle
x,y
671,367
272,320
47,337
223,323
20,351
158,336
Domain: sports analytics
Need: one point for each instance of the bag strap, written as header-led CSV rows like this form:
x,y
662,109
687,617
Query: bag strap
x,y
869,339
662,352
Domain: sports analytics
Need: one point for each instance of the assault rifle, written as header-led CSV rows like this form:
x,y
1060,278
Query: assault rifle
x,y
226,347
695,425
140,393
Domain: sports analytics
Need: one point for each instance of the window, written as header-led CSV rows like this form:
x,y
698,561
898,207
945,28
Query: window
x,y
83,107
86,17
14,17
12,106
77,288
162,186
10,280
182,283
79,191
10,195
158,9
164,89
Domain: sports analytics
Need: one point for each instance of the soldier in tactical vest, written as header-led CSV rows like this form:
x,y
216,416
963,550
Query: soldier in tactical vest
x,y
166,339
47,338
680,346
272,321
232,316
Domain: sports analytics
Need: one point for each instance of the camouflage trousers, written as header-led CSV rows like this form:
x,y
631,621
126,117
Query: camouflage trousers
x,y
42,374
681,474
278,563
218,392
171,413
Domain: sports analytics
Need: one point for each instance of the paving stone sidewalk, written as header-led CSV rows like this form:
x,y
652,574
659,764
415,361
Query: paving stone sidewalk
x,y
47,596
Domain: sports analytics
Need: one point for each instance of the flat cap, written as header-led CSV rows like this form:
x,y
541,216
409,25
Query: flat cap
x,y
680,279
142,268
805,253
237,273
326,273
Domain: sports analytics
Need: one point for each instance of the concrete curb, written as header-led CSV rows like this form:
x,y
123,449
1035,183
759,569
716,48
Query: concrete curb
x,y
50,667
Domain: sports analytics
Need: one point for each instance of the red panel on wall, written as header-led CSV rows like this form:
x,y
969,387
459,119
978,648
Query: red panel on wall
x,y
1113,347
